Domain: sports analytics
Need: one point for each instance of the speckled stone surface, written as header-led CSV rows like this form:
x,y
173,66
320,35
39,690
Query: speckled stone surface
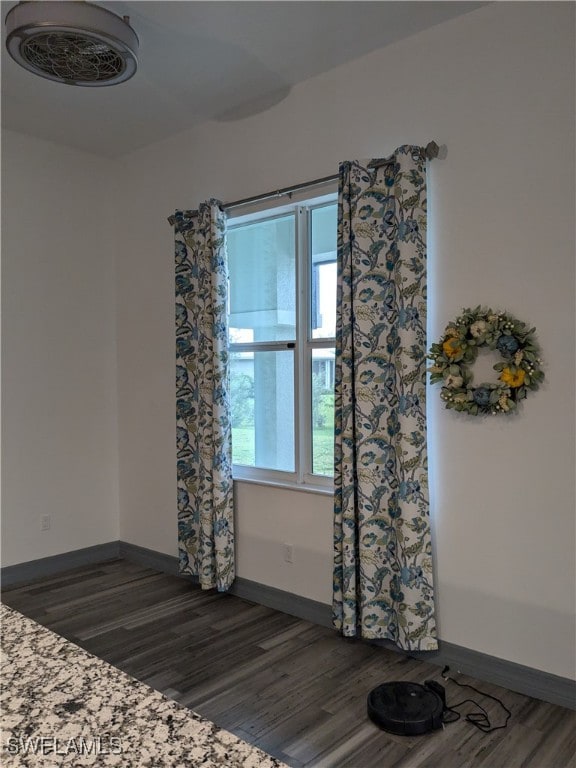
x,y
61,706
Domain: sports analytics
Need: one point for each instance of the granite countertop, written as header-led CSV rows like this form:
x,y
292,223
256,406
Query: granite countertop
x,y
61,706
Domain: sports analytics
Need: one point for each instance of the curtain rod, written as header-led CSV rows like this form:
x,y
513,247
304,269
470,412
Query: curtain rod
x,y
288,191
430,151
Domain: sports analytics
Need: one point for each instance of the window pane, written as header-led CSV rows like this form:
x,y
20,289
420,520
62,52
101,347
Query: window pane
x,y
262,269
262,403
323,272
323,411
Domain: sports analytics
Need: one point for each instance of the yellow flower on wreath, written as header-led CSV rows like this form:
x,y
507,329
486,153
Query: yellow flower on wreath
x,y
513,378
451,347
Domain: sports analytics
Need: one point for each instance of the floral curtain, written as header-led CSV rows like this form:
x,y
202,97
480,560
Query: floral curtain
x,y
204,444
383,560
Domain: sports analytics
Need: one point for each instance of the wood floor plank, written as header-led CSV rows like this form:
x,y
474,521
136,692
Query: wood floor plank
x,y
343,753
321,737
244,677
293,688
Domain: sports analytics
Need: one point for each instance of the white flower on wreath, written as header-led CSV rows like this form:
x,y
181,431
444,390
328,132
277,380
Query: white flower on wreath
x,y
453,382
478,328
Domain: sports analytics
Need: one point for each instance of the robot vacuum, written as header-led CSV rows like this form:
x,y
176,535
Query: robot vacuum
x,y
407,709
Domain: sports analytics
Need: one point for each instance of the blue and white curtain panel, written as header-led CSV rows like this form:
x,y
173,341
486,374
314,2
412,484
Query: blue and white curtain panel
x,y
204,437
383,586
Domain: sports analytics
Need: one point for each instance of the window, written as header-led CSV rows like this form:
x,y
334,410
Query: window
x,y
282,320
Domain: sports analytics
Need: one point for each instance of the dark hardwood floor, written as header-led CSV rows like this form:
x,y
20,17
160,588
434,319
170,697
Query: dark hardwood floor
x,y
295,689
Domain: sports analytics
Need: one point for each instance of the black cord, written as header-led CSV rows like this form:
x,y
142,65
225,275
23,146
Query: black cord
x,y
480,718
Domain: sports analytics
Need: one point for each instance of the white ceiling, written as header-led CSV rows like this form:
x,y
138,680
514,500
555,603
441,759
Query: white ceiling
x,y
203,61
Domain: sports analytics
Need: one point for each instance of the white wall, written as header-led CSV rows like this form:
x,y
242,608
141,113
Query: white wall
x,y
495,86
59,429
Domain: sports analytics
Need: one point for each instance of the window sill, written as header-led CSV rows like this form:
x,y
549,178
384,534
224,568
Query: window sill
x,y
300,487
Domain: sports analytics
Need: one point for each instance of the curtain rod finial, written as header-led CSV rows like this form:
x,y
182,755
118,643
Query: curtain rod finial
x,y
431,150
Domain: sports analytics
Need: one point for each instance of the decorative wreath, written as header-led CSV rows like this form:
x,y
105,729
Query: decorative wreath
x,y
457,350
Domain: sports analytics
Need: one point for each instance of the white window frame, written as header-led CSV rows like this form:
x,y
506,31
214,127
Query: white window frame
x,y
302,478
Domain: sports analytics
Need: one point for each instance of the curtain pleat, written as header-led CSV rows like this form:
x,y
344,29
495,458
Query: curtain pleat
x,y
383,586
204,442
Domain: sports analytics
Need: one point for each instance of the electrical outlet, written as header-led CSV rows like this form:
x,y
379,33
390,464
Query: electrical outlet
x,y
288,553
45,523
